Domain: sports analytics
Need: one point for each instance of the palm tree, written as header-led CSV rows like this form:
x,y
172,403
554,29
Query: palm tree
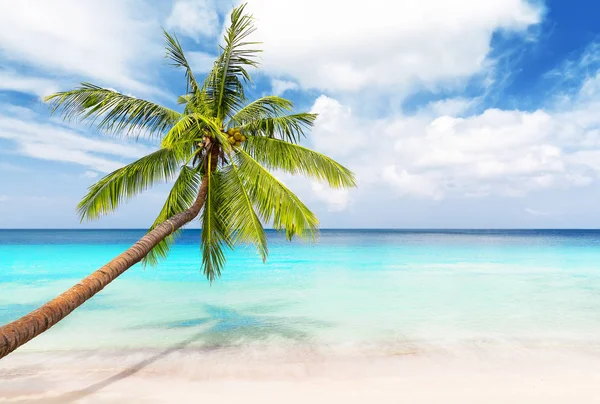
x,y
218,151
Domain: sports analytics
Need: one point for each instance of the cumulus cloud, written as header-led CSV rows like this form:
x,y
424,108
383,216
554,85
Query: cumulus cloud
x,y
387,45
496,152
106,41
335,199
281,86
194,18
447,153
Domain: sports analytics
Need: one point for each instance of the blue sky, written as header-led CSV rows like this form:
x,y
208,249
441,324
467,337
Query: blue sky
x,y
452,114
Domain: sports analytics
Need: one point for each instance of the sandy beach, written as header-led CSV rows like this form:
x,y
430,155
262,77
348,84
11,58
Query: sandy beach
x,y
474,374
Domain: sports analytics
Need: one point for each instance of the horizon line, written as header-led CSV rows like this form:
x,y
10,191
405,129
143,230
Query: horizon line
x,y
327,228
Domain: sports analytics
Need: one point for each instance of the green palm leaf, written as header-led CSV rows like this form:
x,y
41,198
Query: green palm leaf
x,y
177,56
288,127
184,99
265,107
274,201
117,112
241,193
225,83
107,194
181,197
215,233
277,154
238,212
191,128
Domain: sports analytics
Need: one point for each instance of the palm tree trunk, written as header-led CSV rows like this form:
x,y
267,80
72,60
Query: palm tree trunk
x,y
17,333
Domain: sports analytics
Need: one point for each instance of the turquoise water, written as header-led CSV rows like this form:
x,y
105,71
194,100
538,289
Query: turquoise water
x,y
354,288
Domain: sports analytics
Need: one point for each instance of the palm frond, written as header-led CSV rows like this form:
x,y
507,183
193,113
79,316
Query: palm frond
x,y
225,83
265,107
107,194
288,127
277,154
190,128
181,197
274,202
184,99
117,112
177,56
215,233
238,212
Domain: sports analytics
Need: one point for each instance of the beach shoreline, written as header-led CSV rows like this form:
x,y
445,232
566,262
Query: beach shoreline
x,y
494,374
385,317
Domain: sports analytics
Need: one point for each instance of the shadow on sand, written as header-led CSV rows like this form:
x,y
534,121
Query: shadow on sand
x,y
228,326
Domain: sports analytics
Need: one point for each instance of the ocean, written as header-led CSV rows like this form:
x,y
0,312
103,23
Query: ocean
x,y
368,291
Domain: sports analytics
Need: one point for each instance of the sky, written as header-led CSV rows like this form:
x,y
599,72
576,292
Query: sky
x,y
452,114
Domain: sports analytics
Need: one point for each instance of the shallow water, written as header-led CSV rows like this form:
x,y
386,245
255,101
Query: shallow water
x,y
361,291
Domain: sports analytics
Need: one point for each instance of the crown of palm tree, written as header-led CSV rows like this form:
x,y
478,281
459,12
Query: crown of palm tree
x,y
219,139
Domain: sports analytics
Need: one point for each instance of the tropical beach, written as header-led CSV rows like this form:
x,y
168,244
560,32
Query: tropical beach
x,y
260,202
468,316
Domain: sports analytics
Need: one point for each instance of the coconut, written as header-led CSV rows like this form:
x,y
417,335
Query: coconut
x,y
238,143
243,139
230,131
237,136
231,140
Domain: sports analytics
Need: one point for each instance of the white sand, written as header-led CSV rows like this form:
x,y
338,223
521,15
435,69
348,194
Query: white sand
x,y
515,375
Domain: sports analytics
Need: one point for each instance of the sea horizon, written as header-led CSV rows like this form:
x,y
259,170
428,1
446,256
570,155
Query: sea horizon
x,y
333,228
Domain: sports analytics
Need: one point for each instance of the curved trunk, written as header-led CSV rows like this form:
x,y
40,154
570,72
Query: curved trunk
x,y
17,333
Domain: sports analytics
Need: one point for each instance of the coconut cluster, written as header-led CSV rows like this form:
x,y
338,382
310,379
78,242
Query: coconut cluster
x,y
235,137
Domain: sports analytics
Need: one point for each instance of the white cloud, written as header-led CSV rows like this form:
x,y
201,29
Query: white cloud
x,y
450,106
57,143
386,45
336,127
281,86
200,62
496,152
410,184
107,41
194,18
90,174
33,85
578,68
336,199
